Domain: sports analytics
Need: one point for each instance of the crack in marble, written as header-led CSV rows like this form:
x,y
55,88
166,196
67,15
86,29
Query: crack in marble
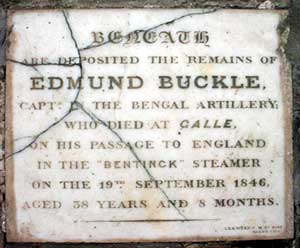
x,y
89,113
205,11
133,152
77,49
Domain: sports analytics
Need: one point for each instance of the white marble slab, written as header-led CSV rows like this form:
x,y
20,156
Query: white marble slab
x,y
147,125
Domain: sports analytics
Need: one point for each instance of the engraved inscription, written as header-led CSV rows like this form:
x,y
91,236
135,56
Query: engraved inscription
x,y
147,125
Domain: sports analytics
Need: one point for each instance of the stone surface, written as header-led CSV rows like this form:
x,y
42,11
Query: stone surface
x,y
168,109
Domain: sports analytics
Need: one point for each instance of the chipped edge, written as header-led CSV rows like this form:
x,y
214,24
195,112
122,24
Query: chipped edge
x,y
287,98
10,202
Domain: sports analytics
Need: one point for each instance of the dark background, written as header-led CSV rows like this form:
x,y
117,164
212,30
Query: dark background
x,y
292,51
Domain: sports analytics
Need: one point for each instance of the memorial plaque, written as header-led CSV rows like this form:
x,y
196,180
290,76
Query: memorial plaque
x,y
133,125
